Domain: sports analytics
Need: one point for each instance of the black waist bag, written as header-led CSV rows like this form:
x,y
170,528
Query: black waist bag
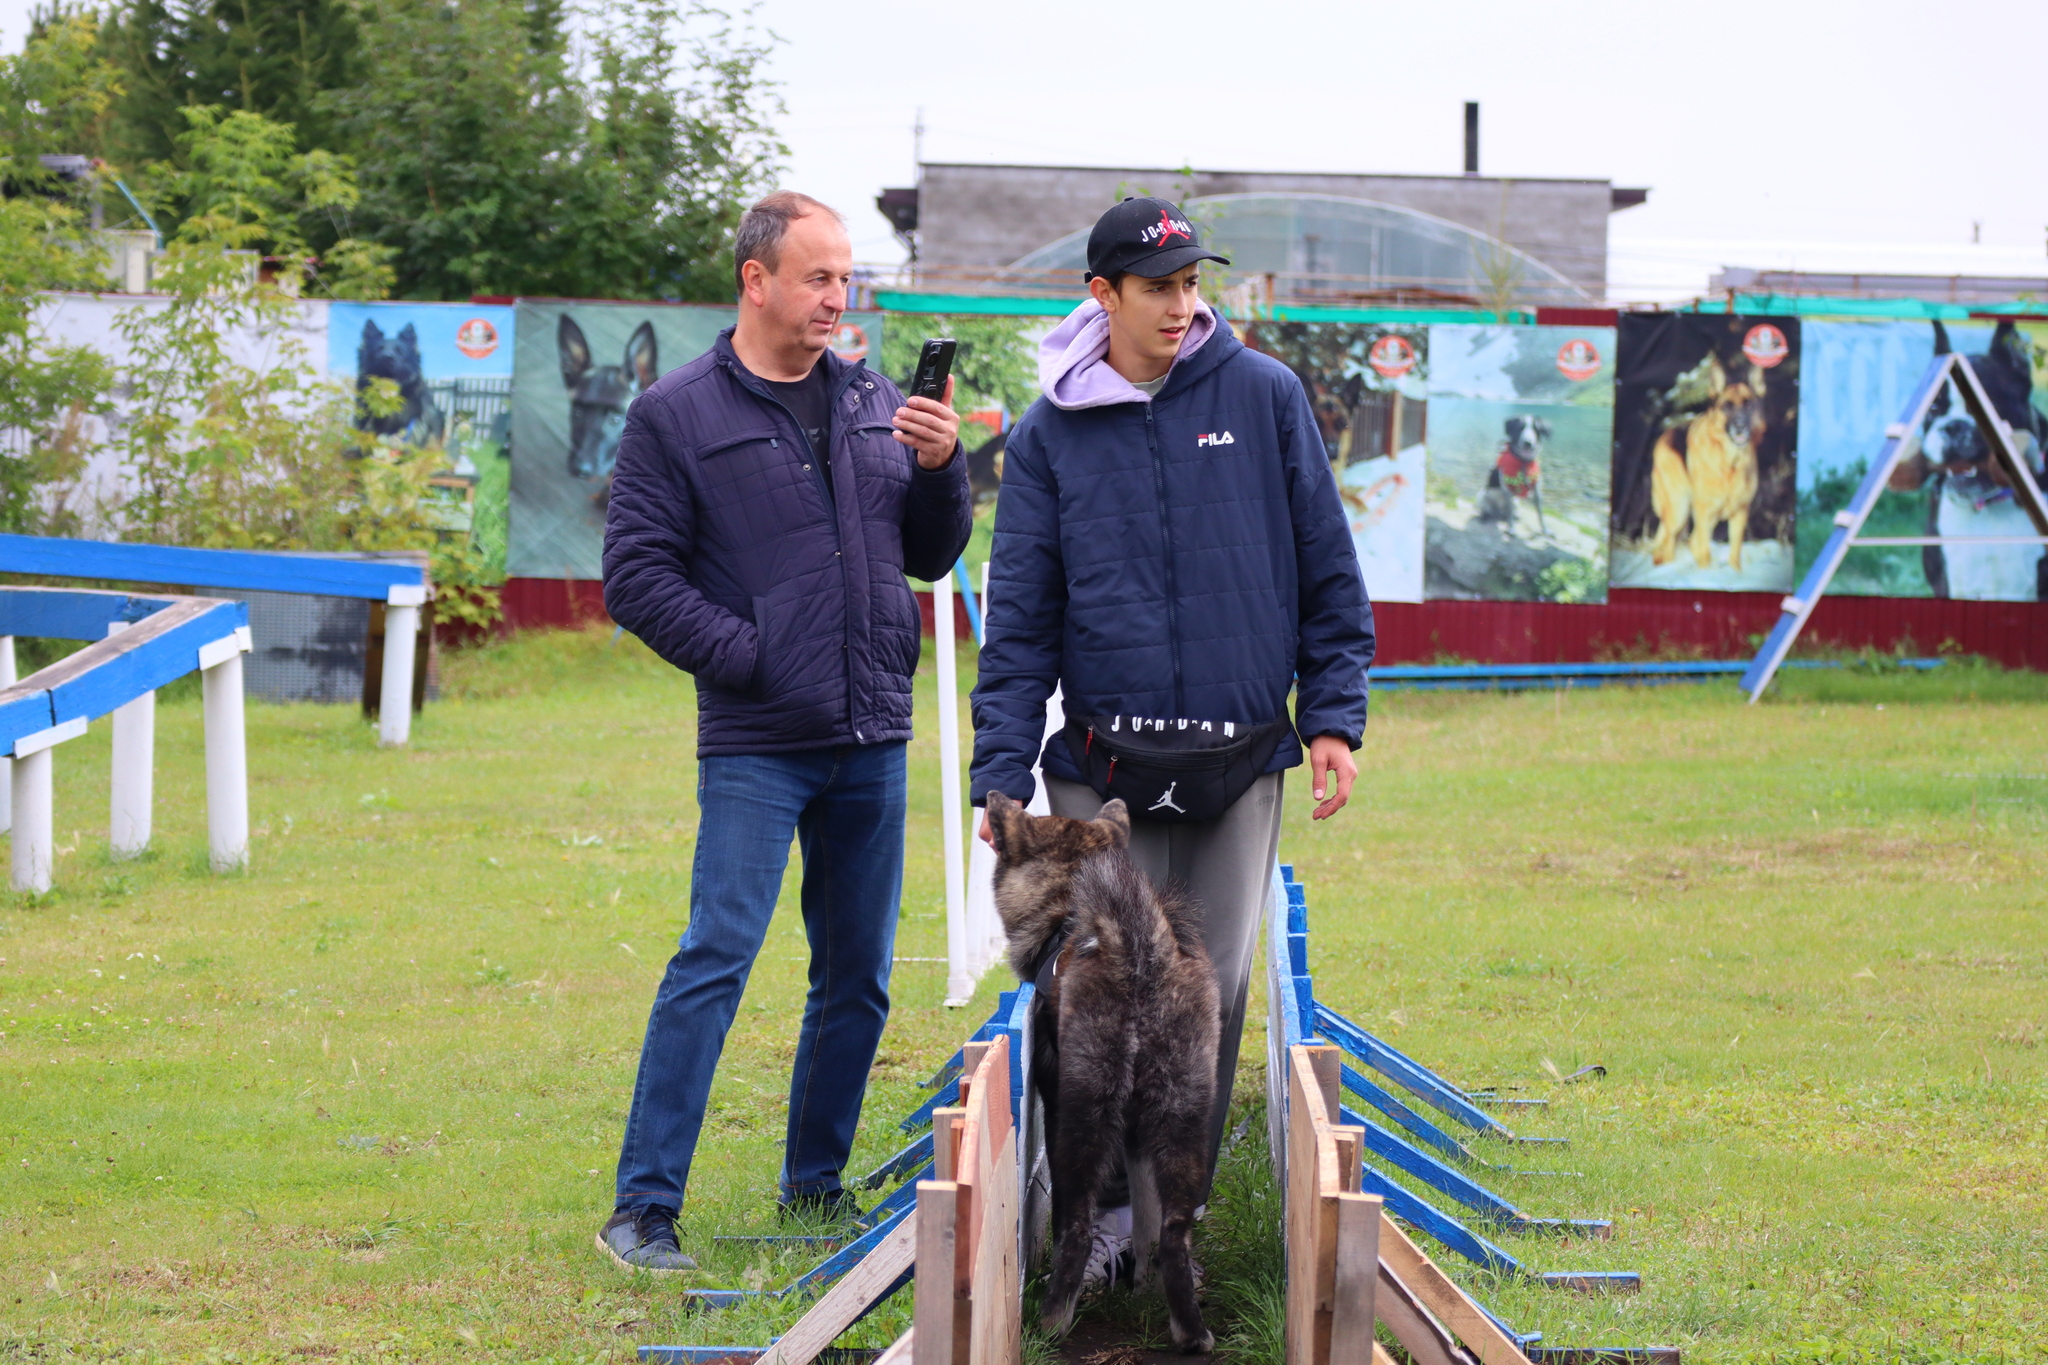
x,y
1184,771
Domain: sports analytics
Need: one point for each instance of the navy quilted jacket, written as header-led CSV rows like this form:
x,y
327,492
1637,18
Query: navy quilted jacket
x,y
1183,558
723,552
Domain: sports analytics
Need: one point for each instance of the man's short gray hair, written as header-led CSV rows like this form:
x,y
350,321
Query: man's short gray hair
x,y
761,228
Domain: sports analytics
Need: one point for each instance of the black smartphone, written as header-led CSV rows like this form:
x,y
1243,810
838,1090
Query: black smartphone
x,y
933,365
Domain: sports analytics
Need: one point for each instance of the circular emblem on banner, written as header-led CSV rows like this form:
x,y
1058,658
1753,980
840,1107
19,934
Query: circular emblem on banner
x,y
476,338
850,342
1578,359
1391,356
1765,345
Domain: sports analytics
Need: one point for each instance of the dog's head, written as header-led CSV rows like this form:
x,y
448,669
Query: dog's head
x,y
600,394
1738,404
1526,435
1037,857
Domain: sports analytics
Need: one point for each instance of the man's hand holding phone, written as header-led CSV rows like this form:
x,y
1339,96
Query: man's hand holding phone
x,y
926,422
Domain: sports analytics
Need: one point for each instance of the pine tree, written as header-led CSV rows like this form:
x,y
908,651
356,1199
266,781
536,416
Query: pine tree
x,y
268,57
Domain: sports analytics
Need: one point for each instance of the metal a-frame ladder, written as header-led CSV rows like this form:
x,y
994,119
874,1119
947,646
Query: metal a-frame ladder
x,y
1899,438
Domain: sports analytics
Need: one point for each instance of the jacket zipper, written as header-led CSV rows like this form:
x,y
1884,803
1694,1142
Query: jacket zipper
x,y
1180,705
819,468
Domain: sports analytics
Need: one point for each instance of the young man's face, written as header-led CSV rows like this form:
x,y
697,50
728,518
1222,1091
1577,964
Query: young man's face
x,y
800,303
1151,316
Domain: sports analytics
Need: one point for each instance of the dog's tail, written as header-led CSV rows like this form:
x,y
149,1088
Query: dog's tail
x,y
1110,891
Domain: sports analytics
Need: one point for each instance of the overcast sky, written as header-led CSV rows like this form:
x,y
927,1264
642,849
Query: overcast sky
x,y
1871,136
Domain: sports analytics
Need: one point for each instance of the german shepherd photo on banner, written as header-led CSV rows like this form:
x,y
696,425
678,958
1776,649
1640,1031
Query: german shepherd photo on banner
x,y
1705,452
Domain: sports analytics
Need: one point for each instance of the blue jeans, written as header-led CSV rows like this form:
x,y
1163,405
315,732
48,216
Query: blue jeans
x,y
846,806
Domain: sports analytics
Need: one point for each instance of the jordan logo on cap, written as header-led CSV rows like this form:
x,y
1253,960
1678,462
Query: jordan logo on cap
x,y
1166,228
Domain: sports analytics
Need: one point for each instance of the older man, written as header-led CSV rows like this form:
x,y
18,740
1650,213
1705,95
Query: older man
x,y
768,499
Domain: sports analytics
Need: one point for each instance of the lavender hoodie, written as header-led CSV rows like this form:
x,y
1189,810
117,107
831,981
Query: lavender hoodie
x,y
1073,360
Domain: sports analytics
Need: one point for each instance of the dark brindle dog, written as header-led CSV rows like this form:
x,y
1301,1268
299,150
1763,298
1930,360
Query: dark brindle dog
x,y
1124,1043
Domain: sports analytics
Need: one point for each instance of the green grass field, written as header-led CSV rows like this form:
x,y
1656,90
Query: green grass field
x,y
363,1102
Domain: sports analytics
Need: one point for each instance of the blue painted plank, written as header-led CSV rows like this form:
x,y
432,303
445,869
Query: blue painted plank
x,y
241,569
1418,1080
702,1355
972,603
916,1154
850,1255
24,716
1434,1173
1420,1128
1438,1224
70,613
902,1197
146,667
1779,641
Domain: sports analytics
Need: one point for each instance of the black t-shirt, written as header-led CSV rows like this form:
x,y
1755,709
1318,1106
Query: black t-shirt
x,y
808,399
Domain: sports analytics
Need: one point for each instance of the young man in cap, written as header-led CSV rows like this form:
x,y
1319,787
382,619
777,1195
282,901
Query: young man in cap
x,y
1169,545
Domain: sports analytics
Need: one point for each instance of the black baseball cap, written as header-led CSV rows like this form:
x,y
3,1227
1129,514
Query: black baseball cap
x,y
1149,238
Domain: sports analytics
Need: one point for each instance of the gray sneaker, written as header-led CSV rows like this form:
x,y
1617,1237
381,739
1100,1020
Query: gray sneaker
x,y
644,1239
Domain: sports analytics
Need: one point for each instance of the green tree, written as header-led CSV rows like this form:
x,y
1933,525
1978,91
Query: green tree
x,y
267,57
52,94
244,188
496,159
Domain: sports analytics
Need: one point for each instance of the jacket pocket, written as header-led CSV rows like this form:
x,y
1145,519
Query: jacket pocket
x,y
907,626
771,660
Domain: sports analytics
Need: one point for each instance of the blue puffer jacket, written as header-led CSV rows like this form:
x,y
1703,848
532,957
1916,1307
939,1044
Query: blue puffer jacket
x,y
1185,557
723,552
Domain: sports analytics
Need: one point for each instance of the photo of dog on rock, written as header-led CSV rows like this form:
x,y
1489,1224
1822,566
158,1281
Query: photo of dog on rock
x,y
1706,416
1520,438
1123,1046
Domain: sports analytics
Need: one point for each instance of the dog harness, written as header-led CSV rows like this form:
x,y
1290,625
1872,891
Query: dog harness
x,y
1517,475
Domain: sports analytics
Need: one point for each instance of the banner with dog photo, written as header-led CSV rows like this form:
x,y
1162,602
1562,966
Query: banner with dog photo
x,y
577,367
1706,439
1521,425
1859,377
452,366
1369,386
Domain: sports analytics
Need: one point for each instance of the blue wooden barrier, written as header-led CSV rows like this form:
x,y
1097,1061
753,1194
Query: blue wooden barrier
x,y
910,1165
1529,677
1296,1016
116,562
402,587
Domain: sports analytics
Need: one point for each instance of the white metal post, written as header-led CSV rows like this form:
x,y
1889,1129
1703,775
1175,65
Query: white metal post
x,y
227,764
8,678
394,708
33,844
960,974
132,785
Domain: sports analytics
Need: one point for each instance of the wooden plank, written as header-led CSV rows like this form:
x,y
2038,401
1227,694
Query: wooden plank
x,y
1352,1312
849,1297
1420,1335
1441,1295
1299,1228
939,1318
1379,1355
902,1350
997,1336
946,1142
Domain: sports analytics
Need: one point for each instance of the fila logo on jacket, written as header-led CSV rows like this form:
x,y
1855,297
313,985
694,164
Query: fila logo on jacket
x,y
1212,439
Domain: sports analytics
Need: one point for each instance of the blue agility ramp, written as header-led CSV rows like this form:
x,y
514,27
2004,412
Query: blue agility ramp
x,y
402,588
138,644
1901,441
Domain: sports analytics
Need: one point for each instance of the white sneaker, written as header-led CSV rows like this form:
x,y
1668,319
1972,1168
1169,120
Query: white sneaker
x,y
1109,1254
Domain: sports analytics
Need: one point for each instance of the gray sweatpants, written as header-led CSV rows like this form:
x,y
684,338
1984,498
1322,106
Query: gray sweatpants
x,y
1225,866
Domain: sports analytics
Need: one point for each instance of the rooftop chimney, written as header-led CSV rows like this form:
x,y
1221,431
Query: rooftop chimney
x,y
1471,137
